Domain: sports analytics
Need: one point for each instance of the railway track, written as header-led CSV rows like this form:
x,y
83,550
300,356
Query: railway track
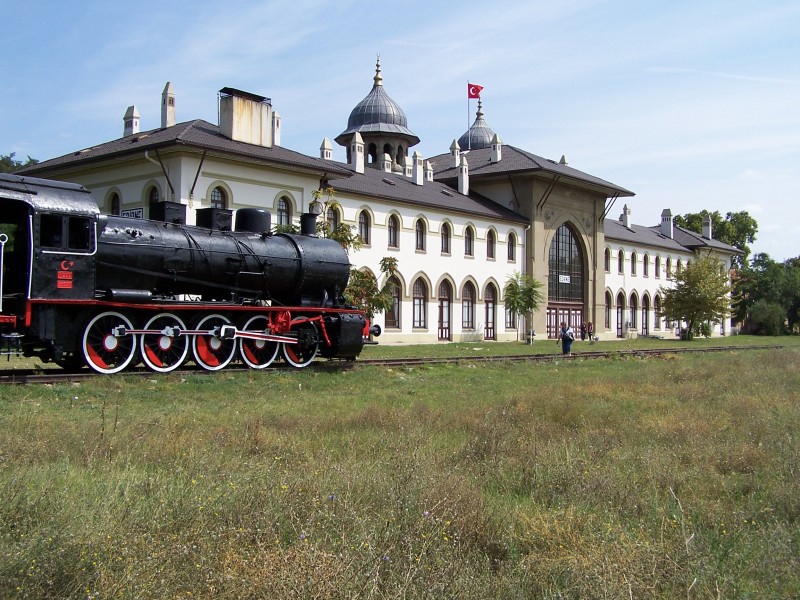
x,y
33,376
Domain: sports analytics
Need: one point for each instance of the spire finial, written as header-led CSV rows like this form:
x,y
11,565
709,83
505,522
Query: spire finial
x,y
479,114
378,79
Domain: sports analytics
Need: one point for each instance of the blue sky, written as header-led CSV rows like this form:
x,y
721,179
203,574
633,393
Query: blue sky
x,y
690,104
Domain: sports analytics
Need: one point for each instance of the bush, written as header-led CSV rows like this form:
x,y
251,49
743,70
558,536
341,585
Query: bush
x,y
765,318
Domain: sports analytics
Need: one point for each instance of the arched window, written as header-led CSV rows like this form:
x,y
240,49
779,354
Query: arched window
x,y
511,319
420,304
634,308
608,260
657,311
512,247
679,267
620,315
620,262
609,302
489,301
646,265
445,238
394,231
153,198
658,267
565,268
469,242
284,211
490,240
634,260
646,315
420,234
393,314
445,298
219,198
332,218
468,306
115,204
363,227
669,267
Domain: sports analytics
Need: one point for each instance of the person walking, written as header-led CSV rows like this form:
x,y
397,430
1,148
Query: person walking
x,y
567,337
583,332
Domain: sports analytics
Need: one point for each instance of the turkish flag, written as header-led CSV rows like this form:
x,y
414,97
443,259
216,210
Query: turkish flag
x,y
474,90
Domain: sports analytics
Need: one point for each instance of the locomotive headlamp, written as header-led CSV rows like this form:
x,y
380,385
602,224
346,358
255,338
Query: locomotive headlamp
x,y
315,208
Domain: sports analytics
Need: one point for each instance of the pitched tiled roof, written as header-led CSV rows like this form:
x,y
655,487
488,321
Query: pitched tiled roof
x,y
639,235
198,134
515,160
695,241
394,187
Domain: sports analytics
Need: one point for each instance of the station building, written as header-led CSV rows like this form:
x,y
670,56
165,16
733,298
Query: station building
x,y
459,224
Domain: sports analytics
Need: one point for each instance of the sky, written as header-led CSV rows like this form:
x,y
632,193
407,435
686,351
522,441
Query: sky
x,y
692,105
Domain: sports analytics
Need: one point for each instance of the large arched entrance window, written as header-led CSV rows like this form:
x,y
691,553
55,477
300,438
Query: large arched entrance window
x,y
445,299
565,281
489,302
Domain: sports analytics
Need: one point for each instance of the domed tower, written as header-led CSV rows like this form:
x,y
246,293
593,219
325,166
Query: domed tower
x,y
479,135
382,125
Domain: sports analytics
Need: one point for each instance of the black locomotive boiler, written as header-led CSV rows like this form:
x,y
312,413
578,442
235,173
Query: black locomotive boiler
x,y
78,287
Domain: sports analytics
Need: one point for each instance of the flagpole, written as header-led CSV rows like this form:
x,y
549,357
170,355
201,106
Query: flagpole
x,y
469,133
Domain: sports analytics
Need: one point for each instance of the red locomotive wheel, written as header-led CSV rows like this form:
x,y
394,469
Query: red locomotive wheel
x,y
305,350
166,350
212,351
107,348
257,354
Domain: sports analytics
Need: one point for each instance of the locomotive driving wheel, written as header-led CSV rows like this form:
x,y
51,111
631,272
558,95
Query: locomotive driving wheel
x,y
212,351
165,350
305,350
106,345
258,354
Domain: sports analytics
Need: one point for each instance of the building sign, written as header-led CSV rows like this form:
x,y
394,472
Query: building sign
x,y
563,279
133,213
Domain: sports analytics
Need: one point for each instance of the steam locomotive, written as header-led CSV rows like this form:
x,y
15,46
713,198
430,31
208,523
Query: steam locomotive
x,y
81,288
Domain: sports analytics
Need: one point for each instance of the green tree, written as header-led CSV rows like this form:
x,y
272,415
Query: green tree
x,y
737,229
523,296
8,164
700,294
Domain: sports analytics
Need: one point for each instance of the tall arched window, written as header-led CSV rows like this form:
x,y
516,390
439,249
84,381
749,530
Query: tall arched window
x,y
392,319
468,306
115,204
420,304
153,197
669,267
420,235
657,311
445,299
646,265
679,267
445,238
490,242
489,303
284,211
512,247
646,315
620,314
608,260
634,260
394,232
658,267
332,218
620,262
469,242
364,227
609,302
219,198
634,308
565,281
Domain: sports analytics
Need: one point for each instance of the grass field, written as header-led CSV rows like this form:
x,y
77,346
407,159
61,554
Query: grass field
x,y
671,477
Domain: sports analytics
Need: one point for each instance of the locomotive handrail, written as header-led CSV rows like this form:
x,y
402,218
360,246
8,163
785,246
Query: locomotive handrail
x,y
3,240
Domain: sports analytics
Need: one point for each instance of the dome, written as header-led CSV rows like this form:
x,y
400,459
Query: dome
x,y
479,135
377,113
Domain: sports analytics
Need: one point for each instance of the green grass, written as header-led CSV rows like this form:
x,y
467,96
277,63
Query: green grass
x,y
665,477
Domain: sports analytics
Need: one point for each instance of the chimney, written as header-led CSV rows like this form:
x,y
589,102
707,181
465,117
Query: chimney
x,y
167,106
497,149
463,176
245,117
707,226
276,129
666,223
455,151
386,163
326,150
357,153
131,120
563,160
428,170
418,170
625,217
